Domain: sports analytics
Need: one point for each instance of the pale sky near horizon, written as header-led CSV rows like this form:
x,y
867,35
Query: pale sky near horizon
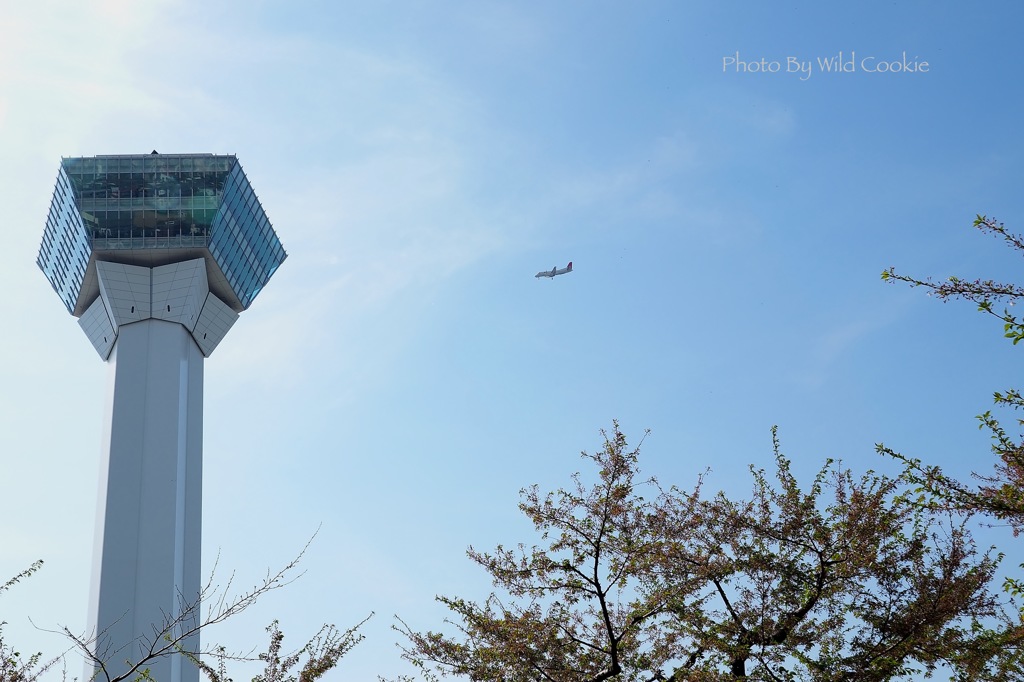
x,y
404,375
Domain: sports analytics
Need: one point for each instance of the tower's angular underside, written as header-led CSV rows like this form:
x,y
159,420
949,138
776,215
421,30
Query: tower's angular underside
x,y
151,210
156,255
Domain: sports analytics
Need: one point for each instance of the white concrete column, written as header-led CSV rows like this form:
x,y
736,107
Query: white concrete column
x,y
147,555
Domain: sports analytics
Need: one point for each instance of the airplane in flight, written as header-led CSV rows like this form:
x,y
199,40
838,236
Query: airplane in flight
x,y
555,271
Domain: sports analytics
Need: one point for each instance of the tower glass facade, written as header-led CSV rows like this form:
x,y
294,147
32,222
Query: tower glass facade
x,y
153,209
64,253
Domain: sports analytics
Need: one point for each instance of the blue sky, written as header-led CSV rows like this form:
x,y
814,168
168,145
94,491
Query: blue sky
x,y
404,375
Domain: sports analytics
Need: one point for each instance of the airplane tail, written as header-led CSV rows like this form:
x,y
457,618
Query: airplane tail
x,y
569,268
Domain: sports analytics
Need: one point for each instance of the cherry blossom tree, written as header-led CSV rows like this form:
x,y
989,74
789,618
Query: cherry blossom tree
x,y
844,579
215,605
13,666
1001,493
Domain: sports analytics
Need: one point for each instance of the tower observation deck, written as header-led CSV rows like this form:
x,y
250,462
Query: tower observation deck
x,y
156,255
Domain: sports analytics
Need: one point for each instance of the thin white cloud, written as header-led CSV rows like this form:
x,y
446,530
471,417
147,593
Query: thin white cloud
x,y
391,216
59,79
835,343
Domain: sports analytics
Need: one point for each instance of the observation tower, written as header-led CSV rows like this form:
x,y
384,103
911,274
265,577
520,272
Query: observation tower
x,y
156,255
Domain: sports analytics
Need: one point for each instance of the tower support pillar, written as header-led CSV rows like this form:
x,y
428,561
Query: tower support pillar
x,y
146,573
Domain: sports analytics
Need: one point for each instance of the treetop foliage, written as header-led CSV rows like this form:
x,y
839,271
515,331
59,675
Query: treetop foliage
x,y
1001,493
309,663
846,579
983,292
13,667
